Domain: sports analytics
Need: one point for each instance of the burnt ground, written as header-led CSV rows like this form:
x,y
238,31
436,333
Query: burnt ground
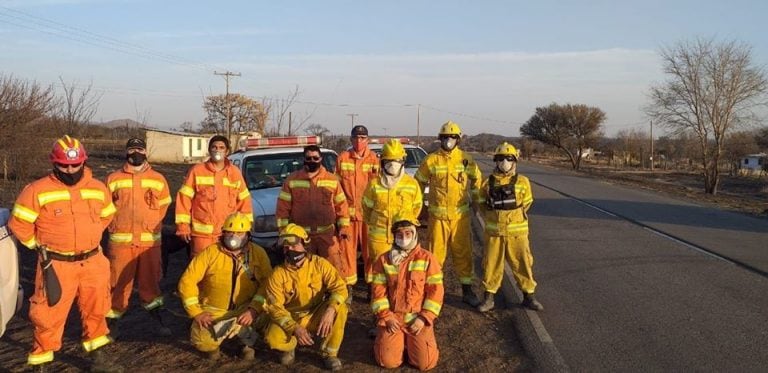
x,y
468,340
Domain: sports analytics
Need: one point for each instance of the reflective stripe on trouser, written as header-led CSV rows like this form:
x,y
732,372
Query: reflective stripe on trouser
x,y
422,348
199,243
517,252
358,236
84,280
327,246
375,249
129,263
202,338
278,339
454,236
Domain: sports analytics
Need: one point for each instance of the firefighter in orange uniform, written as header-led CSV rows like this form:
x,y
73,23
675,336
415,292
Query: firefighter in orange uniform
x,y
313,199
64,214
212,191
141,197
356,168
407,295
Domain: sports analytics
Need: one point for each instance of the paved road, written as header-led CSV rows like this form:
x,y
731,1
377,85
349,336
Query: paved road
x,y
621,297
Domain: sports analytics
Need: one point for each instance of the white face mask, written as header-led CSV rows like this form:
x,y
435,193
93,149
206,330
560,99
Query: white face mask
x,y
393,168
234,242
448,144
217,156
505,166
403,242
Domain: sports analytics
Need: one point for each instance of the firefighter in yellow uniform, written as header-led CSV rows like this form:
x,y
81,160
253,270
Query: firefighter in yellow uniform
x,y
305,298
392,192
505,199
454,183
223,289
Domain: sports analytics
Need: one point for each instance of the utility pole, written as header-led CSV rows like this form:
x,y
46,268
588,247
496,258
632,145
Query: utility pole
x,y
228,74
353,115
418,125
290,123
651,145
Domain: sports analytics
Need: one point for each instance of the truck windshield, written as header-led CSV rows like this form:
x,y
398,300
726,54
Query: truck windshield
x,y
270,170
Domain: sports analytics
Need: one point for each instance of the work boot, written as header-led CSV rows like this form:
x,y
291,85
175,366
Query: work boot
x,y
468,296
530,302
114,329
213,355
488,303
248,353
288,357
349,298
332,363
42,368
100,364
161,316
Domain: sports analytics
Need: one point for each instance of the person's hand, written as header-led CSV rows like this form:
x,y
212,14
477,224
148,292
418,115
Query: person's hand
x,y
326,322
186,237
416,326
246,318
392,325
204,320
303,336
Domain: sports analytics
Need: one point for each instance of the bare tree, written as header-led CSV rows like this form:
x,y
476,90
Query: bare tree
x,y
247,114
284,120
761,137
317,129
570,128
711,88
78,106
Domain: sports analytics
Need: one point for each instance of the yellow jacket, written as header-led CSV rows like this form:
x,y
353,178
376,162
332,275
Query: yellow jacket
x,y
507,222
293,293
453,178
380,204
208,280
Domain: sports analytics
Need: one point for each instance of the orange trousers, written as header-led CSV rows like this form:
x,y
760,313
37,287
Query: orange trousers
x,y
128,263
85,280
422,348
200,243
327,246
358,239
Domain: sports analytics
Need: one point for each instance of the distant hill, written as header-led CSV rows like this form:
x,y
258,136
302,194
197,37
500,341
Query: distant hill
x,y
121,123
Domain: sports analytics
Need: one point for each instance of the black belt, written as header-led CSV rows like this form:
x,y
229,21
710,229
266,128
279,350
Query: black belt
x,y
73,258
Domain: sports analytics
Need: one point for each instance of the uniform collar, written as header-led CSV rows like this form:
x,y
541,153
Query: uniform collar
x,y
210,167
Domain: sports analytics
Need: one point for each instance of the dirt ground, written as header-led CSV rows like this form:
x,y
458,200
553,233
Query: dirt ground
x,y
745,194
468,340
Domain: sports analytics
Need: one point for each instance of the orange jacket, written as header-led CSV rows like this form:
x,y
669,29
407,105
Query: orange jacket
x,y
141,198
355,174
413,288
67,219
314,203
208,196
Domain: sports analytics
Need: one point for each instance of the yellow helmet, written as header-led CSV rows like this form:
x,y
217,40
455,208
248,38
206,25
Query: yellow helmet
x,y
393,149
506,149
403,219
237,222
450,128
292,232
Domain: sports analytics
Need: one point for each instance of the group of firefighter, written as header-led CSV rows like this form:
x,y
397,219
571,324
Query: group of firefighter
x,y
230,288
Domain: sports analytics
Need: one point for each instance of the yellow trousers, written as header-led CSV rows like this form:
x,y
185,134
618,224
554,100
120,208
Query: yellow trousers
x,y
517,252
454,236
375,249
202,338
278,339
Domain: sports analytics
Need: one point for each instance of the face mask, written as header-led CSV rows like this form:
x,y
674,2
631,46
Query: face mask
x,y
505,166
311,166
136,159
294,257
234,242
217,156
403,243
68,179
359,146
448,143
393,168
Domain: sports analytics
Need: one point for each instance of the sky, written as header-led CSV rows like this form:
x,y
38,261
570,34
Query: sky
x,y
483,64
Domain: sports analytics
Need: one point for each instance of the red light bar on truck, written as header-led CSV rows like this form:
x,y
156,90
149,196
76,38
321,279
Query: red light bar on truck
x,y
279,142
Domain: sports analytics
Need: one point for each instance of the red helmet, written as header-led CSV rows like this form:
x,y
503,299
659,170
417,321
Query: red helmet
x,y
68,150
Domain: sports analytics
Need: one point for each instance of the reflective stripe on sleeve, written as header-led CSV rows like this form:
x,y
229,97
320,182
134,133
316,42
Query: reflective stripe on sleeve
x,y
107,211
183,218
25,214
432,306
92,194
379,305
187,190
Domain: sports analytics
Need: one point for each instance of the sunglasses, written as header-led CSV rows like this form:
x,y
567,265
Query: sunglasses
x,y
499,158
455,137
312,159
65,166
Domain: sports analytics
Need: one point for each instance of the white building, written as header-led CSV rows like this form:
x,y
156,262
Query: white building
x,y
176,147
754,163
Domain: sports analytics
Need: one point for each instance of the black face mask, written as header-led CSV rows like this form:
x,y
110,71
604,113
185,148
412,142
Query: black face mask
x,y
311,166
68,179
294,257
136,159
